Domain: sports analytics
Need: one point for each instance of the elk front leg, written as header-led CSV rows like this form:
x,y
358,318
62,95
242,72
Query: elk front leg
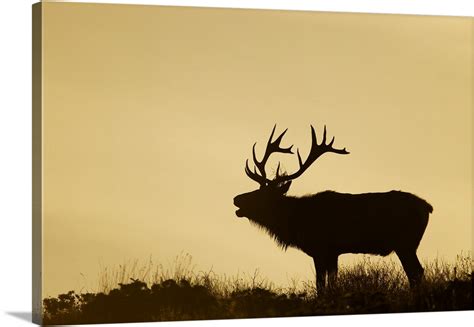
x,y
321,272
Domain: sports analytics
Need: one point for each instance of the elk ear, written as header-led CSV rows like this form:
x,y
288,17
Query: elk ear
x,y
285,187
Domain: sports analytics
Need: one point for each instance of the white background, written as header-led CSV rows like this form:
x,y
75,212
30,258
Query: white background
x,y
15,156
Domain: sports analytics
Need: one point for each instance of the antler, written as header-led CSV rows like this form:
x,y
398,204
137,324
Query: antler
x,y
316,151
272,147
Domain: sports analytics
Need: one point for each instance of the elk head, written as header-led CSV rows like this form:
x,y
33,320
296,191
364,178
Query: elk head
x,y
261,203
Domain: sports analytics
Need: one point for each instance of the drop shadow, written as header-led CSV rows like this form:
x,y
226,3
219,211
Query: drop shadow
x,y
22,315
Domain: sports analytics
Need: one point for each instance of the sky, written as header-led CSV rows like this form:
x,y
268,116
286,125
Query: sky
x,y
149,114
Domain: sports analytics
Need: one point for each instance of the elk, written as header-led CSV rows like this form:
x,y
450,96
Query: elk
x,y
327,224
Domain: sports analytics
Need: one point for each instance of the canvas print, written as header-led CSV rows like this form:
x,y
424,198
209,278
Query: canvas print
x,y
204,163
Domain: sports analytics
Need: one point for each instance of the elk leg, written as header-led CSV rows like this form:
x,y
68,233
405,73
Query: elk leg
x,y
332,270
321,271
411,265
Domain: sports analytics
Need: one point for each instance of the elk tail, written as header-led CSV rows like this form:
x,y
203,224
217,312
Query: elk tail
x,y
424,205
428,207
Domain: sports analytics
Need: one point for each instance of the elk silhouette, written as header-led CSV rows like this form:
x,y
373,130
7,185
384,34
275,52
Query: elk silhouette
x,y
327,224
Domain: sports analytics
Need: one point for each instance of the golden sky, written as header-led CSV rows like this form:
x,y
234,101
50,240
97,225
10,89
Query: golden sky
x,y
150,113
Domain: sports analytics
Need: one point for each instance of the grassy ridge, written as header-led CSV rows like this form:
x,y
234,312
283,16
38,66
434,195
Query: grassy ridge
x,y
133,294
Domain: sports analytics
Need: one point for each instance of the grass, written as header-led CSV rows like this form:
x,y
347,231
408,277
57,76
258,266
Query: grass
x,y
134,293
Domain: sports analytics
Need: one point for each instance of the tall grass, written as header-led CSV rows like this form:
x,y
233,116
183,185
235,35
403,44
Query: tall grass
x,y
181,268
152,292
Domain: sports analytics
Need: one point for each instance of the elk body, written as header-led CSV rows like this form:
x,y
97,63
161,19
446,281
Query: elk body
x,y
327,224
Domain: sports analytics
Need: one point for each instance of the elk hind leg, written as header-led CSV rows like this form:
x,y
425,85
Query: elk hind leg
x,y
332,270
411,265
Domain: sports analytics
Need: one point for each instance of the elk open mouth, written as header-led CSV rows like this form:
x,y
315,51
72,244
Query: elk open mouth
x,y
239,212
238,203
